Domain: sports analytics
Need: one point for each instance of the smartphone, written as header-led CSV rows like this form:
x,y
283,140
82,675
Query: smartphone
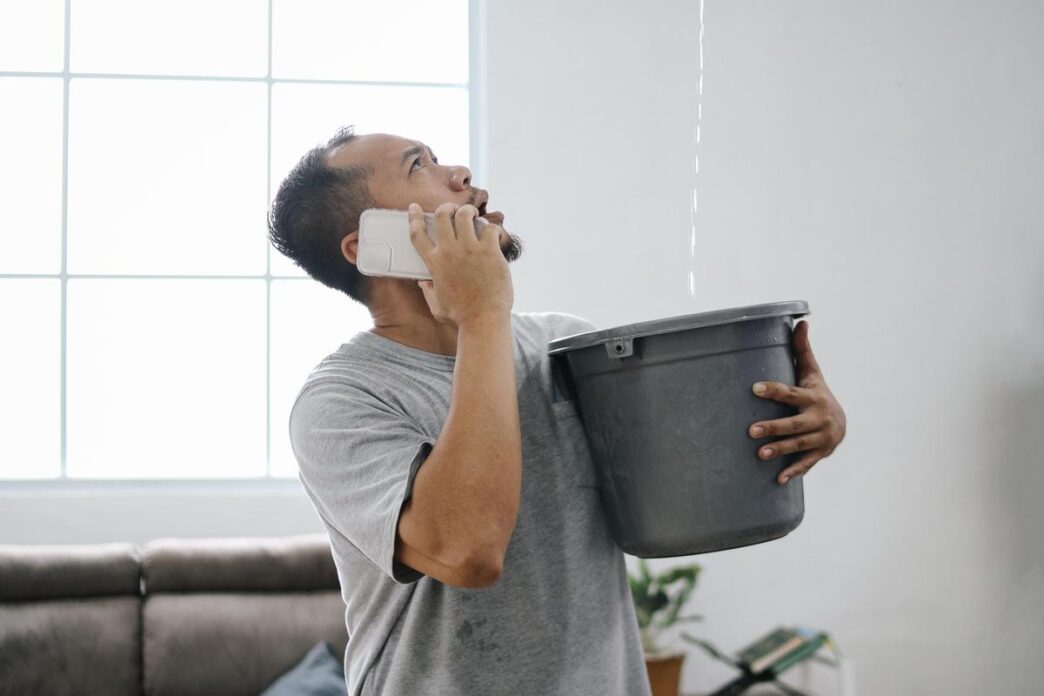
x,y
385,247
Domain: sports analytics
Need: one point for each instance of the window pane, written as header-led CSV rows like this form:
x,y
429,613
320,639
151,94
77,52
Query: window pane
x,y
189,37
309,321
31,164
388,41
32,35
166,177
30,378
304,116
166,378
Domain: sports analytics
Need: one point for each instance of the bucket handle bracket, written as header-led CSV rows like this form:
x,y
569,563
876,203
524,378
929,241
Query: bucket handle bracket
x,y
622,347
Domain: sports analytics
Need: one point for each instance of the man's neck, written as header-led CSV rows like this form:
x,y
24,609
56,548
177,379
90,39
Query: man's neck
x,y
401,314
441,339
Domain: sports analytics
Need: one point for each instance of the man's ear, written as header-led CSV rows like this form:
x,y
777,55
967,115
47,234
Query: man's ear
x,y
350,247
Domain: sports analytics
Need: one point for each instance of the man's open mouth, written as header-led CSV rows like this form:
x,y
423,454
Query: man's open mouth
x,y
494,216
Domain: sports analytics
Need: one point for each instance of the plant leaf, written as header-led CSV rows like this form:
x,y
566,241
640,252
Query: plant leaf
x,y
679,599
711,650
658,598
694,617
674,574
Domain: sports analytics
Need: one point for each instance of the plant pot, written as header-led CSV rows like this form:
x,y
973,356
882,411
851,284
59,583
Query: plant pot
x,y
664,673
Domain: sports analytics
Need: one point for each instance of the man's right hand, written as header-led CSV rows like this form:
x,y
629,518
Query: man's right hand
x,y
469,274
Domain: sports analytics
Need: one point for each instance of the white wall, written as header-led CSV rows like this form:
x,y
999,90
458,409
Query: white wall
x,y
883,161
880,160
89,514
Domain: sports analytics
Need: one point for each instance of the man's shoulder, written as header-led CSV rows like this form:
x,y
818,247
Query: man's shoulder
x,y
557,324
337,377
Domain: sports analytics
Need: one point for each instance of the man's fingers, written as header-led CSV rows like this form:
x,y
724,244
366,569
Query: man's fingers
x,y
801,443
419,232
464,221
801,467
786,393
444,231
489,233
800,423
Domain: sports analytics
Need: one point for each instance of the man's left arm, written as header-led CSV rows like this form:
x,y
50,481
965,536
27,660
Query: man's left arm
x,y
819,426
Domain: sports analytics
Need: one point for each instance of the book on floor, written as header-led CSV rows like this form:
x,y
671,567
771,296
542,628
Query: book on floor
x,y
780,649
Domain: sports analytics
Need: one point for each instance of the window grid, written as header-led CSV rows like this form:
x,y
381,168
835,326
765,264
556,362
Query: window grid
x,y
476,111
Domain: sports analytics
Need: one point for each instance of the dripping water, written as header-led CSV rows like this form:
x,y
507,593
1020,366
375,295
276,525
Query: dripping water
x,y
694,208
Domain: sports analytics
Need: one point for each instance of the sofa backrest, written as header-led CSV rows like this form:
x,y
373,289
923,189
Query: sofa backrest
x,y
70,620
174,616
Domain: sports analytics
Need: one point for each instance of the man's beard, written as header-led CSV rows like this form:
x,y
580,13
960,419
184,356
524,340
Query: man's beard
x,y
512,248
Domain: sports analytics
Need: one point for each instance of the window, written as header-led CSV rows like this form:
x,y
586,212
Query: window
x,y
149,329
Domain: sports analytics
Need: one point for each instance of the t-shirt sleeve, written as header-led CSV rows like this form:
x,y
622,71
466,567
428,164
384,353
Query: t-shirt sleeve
x,y
357,459
571,324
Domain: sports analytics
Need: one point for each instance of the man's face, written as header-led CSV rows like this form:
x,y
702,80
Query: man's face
x,y
407,171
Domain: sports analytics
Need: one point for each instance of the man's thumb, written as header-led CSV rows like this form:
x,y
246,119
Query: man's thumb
x,y
803,351
428,289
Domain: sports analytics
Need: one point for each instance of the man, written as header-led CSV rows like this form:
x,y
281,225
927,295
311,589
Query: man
x,y
461,503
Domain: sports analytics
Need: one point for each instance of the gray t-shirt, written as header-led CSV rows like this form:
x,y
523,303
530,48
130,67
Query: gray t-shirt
x,y
559,620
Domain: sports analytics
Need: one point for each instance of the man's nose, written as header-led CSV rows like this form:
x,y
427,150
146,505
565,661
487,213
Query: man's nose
x,y
460,178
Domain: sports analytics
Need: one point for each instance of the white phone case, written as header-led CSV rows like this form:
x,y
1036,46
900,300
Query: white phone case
x,y
385,247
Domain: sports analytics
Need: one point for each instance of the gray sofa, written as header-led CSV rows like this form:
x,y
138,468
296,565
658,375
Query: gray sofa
x,y
172,616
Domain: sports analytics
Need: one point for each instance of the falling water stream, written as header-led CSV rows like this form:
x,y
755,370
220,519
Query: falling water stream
x,y
696,168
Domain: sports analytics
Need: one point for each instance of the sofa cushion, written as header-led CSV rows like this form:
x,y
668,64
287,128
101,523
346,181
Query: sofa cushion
x,y
320,673
302,562
71,646
233,643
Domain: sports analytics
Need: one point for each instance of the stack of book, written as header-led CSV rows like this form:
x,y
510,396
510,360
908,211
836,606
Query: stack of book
x,y
780,649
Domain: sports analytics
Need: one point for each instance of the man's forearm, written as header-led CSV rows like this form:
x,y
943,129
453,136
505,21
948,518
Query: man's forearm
x,y
476,464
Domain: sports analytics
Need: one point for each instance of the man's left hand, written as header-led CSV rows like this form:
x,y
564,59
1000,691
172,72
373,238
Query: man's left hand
x,y
819,426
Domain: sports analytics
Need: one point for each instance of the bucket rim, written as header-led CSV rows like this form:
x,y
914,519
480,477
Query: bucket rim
x,y
681,322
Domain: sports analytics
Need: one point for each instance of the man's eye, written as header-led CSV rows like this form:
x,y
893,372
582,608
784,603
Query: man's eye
x,y
415,163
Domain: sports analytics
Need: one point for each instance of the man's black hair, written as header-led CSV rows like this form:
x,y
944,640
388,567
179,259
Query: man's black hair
x,y
315,207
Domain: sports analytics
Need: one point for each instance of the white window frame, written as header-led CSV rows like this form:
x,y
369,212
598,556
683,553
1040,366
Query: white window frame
x,y
477,146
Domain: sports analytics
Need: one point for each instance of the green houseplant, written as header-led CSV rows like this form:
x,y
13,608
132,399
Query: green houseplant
x,y
658,599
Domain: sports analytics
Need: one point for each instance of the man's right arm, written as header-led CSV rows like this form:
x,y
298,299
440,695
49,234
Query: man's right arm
x,y
459,519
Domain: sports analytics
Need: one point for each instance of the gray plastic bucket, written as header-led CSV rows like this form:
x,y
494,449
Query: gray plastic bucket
x,y
667,408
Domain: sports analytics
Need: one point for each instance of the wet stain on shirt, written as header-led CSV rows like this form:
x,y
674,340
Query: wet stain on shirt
x,y
466,633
